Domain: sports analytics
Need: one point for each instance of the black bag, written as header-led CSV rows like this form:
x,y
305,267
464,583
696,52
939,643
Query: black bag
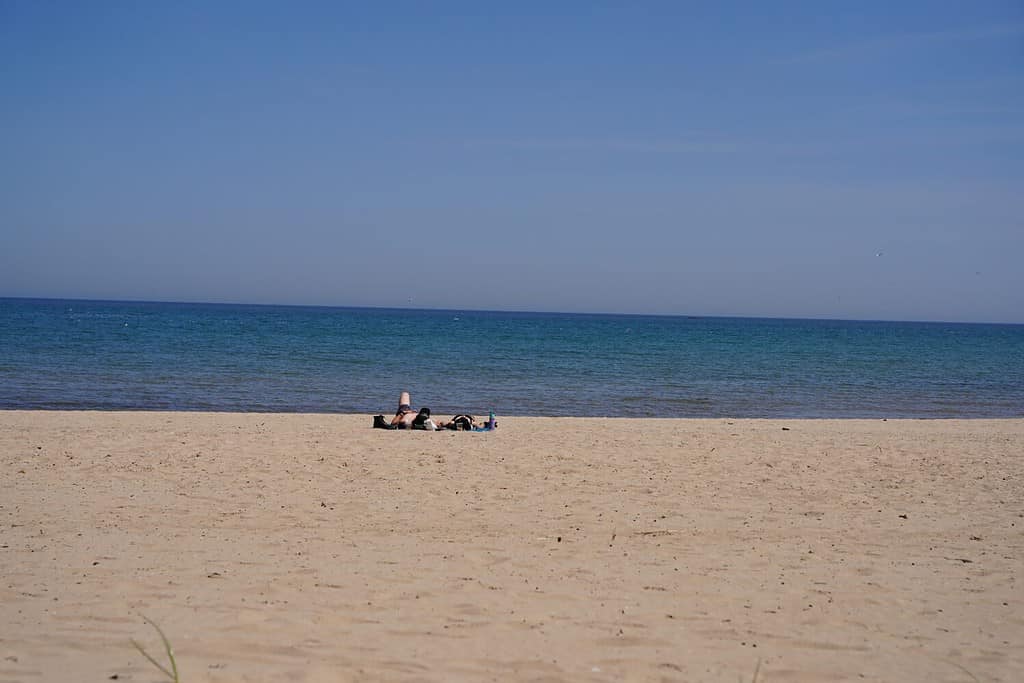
x,y
379,422
461,423
421,417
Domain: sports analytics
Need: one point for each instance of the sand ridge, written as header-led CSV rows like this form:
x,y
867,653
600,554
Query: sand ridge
x,y
277,547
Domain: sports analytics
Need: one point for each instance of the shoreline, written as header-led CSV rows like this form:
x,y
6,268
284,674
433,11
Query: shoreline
x,y
513,416
309,546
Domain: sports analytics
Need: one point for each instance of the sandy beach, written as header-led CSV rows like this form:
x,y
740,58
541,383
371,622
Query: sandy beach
x,y
276,547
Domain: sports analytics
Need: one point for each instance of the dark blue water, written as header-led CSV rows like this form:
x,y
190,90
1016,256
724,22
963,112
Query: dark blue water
x,y
161,356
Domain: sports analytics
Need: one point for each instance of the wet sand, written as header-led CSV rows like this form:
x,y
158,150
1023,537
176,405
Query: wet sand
x,y
313,548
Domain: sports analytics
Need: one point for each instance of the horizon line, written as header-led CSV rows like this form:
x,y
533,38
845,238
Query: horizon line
x,y
511,311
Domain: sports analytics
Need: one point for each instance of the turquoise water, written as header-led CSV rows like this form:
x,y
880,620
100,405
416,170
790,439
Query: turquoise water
x,y
161,356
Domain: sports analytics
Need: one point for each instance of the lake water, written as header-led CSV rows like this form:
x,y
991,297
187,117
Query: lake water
x,y
57,354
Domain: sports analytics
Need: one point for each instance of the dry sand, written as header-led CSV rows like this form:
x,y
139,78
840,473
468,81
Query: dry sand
x,y
314,548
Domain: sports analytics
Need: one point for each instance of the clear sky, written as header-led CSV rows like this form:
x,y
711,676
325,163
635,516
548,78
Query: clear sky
x,y
808,159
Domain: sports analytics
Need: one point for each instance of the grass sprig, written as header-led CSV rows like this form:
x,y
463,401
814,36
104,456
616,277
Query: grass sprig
x,y
171,673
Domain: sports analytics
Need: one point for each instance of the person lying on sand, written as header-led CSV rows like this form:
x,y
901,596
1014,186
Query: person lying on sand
x,y
405,411
407,418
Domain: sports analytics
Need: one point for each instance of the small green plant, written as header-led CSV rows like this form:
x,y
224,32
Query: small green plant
x,y
171,673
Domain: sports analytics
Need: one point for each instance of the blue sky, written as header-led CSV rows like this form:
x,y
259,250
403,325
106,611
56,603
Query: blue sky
x,y
806,159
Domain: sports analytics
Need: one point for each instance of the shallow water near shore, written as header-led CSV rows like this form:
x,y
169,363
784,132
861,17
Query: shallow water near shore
x,y
57,354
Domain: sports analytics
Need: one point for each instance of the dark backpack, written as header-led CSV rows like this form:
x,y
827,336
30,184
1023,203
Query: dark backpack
x,y
461,423
421,417
379,422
